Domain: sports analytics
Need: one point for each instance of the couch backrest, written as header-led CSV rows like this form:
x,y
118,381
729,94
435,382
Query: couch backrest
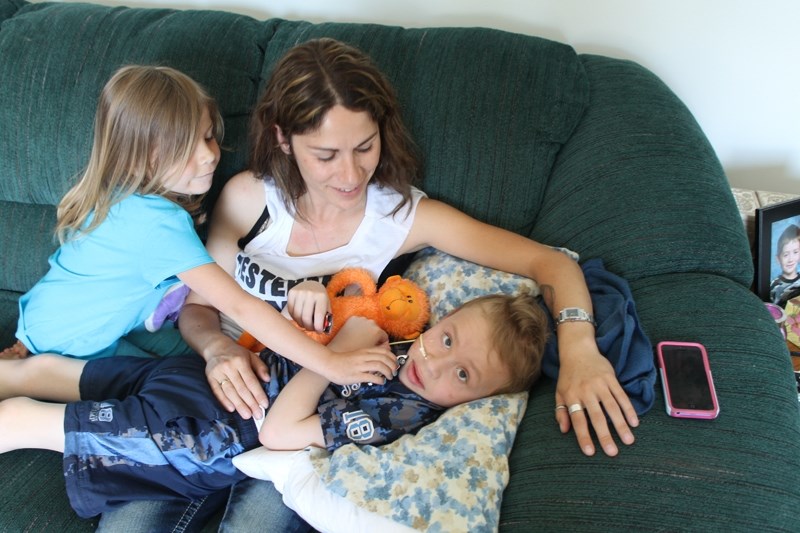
x,y
57,57
489,109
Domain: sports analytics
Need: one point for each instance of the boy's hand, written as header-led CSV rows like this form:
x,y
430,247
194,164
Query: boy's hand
x,y
307,303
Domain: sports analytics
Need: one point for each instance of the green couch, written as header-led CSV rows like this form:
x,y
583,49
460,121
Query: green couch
x,y
584,151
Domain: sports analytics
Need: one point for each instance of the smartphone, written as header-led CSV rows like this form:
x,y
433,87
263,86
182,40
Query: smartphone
x,y
686,378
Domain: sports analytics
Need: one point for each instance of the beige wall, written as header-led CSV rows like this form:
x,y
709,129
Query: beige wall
x,y
734,62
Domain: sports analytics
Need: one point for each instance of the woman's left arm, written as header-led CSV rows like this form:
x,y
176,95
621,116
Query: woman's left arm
x,y
586,378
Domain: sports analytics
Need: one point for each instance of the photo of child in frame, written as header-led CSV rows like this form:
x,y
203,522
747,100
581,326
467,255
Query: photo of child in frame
x,y
785,261
797,379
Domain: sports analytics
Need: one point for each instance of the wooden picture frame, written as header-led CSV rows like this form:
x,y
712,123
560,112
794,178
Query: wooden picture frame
x,y
772,224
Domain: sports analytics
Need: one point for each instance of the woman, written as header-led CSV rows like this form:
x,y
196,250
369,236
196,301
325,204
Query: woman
x,y
330,186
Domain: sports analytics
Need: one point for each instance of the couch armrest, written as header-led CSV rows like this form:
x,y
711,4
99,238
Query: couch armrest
x,y
639,186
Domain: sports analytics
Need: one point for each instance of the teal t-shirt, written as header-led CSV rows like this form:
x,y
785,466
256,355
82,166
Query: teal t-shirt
x,y
103,285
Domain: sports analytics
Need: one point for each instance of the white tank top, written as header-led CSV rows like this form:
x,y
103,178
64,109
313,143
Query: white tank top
x,y
265,270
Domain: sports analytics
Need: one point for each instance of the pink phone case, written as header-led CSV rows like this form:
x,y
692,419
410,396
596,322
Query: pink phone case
x,y
686,379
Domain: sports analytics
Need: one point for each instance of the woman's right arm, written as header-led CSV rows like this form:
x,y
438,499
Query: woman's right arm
x,y
237,209
235,380
199,324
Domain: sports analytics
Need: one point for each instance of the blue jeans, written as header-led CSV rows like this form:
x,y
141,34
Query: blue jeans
x,y
256,505
250,505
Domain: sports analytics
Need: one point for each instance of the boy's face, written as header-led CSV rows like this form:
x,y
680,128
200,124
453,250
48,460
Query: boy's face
x,y
789,257
461,364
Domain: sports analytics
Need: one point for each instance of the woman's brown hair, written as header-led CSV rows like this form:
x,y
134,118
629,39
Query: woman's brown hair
x,y
307,82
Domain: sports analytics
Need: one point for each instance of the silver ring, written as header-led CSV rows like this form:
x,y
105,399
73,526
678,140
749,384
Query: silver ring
x,y
575,407
560,406
223,382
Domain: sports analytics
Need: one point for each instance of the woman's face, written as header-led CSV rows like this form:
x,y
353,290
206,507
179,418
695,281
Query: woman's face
x,y
339,158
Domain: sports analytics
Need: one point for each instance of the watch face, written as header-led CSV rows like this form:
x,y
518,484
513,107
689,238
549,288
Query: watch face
x,y
574,314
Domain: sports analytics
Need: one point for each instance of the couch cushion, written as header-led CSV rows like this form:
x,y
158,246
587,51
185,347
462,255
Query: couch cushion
x,y
49,96
9,7
638,182
740,472
28,240
8,317
539,92
33,471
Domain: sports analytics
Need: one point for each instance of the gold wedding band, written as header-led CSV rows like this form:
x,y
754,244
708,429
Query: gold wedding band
x,y
223,382
560,406
575,407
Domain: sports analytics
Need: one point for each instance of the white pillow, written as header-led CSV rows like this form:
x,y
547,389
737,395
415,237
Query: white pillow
x,y
303,491
271,465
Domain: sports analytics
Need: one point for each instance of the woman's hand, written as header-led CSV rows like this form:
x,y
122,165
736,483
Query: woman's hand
x,y
307,303
588,387
236,375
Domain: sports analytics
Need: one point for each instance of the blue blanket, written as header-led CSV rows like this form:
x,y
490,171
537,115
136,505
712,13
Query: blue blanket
x,y
619,336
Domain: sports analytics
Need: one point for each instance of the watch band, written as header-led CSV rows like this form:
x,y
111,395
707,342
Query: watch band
x,y
574,314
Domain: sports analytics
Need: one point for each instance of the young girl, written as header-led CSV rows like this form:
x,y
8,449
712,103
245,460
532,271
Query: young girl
x,y
127,234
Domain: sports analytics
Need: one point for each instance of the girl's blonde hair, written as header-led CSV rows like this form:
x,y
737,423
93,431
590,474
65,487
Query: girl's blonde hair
x,y
147,125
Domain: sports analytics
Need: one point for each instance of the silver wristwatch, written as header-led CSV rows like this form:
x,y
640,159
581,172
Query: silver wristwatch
x,y
574,314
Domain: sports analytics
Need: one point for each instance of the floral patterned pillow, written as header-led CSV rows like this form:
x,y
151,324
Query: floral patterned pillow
x,y
450,476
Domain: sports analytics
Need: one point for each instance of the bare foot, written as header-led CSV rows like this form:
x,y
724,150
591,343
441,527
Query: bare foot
x,y
18,351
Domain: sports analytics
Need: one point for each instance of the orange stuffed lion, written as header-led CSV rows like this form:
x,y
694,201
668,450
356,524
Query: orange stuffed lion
x,y
400,307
